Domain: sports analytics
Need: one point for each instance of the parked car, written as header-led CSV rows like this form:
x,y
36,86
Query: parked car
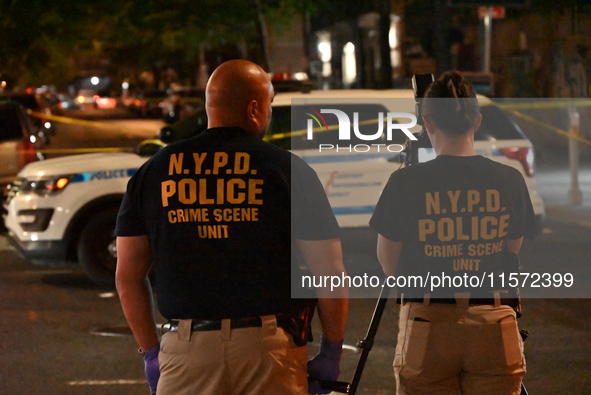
x,y
86,99
106,102
53,102
43,127
147,103
66,102
65,208
18,142
182,103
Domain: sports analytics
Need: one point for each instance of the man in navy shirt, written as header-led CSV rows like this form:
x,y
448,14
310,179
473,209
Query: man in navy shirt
x,y
217,215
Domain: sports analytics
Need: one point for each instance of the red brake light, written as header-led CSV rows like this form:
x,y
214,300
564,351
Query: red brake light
x,y
525,155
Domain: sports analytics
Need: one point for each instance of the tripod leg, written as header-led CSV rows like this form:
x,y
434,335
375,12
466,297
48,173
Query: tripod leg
x,y
367,343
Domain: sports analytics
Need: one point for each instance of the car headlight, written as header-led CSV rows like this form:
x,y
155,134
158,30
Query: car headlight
x,y
47,185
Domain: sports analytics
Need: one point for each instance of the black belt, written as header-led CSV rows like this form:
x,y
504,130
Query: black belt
x,y
472,302
213,325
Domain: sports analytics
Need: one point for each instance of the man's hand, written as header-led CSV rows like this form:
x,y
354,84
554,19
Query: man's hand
x,y
325,365
325,258
152,368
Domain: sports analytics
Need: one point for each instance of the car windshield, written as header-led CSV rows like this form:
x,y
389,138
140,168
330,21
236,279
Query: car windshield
x,y
28,101
10,126
496,125
152,94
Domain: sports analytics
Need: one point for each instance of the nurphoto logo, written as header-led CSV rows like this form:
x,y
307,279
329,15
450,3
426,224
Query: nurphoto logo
x,y
360,129
345,124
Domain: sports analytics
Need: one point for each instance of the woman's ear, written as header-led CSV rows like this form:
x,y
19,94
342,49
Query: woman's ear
x,y
477,123
428,125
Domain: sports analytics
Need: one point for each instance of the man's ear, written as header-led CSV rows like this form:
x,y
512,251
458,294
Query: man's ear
x,y
252,112
252,109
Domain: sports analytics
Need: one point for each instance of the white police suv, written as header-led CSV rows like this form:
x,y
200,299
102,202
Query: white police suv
x,y
65,209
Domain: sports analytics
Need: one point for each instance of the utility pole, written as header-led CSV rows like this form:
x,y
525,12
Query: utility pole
x,y
441,50
487,38
385,52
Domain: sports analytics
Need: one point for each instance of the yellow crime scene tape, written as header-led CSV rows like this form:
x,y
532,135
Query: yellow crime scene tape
x,y
513,108
81,150
82,122
552,128
510,107
303,132
543,104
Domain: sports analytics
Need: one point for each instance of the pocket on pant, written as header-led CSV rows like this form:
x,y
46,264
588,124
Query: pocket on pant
x,y
415,346
276,346
512,344
169,344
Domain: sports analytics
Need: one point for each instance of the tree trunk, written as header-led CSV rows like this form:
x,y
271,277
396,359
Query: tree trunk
x,y
307,34
263,36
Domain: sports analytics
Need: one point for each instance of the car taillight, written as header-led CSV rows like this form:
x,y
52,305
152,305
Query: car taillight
x,y
27,153
525,155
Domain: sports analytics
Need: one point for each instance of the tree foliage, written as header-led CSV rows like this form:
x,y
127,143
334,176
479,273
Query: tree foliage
x,y
51,41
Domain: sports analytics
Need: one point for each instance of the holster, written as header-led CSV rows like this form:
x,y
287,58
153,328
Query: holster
x,y
511,265
299,322
517,305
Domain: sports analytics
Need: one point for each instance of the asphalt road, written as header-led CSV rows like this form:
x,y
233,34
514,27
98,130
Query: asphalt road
x,y
60,334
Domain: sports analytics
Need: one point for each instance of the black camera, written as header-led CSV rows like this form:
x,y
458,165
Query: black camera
x,y
420,83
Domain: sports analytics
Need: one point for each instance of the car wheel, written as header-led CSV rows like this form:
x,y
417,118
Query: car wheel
x,y
97,252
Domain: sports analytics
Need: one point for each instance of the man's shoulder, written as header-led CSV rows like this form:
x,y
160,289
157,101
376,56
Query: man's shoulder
x,y
260,151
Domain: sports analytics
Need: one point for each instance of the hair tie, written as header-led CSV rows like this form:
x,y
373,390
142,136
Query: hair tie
x,y
452,88
454,93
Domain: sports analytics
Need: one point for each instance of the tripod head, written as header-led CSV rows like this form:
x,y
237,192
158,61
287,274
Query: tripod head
x,y
420,83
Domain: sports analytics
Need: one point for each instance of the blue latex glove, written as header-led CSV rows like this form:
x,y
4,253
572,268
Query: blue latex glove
x,y
152,368
325,365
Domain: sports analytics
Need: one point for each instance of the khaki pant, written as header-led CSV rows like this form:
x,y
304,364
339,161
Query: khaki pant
x,y
447,348
257,361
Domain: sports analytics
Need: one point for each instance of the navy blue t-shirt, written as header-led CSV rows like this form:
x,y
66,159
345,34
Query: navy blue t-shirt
x,y
454,215
221,211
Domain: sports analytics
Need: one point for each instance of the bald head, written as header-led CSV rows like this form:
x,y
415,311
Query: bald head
x,y
239,94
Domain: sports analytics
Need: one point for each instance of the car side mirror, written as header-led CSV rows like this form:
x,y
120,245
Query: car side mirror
x,y
149,147
167,134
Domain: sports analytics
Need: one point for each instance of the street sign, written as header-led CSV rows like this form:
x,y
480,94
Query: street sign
x,y
487,3
497,12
